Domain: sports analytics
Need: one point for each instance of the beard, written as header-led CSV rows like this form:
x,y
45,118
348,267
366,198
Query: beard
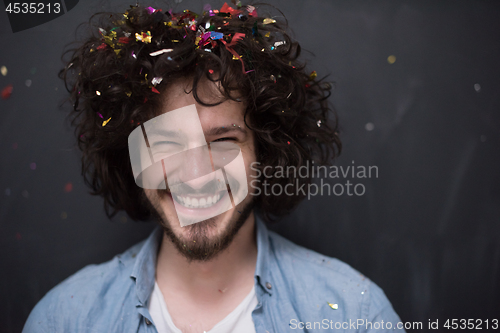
x,y
200,244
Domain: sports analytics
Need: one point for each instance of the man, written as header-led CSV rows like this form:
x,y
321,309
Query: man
x,y
176,114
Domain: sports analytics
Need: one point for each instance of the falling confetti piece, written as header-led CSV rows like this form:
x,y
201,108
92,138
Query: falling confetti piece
x,y
28,83
100,115
477,87
318,123
128,93
313,75
157,53
156,80
68,187
98,93
144,37
333,306
369,126
3,70
391,59
7,91
268,34
288,142
211,71
268,21
153,89
64,215
33,166
105,122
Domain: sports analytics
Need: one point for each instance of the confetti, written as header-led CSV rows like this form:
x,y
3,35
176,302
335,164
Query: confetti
x,y
64,215
288,142
100,115
144,37
151,10
33,166
153,89
268,21
28,83
211,71
7,91
391,59
3,70
333,306
318,123
369,126
128,93
313,75
105,122
98,93
68,187
268,34
157,53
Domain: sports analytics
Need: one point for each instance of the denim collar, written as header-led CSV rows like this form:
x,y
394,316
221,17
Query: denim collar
x,y
144,271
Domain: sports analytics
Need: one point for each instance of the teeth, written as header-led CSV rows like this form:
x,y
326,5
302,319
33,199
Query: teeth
x,y
190,202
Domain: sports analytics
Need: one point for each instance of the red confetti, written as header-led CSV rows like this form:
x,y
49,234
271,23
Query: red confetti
x,y
124,40
155,90
227,9
102,46
7,91
288,142
68,187
211,71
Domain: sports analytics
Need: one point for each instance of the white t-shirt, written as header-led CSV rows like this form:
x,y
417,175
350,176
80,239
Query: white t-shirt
x,y
239,320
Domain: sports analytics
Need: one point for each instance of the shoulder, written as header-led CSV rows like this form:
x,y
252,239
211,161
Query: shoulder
x,y
321,280
84,292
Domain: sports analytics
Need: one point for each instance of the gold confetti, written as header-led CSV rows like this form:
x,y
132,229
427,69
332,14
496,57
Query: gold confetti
x,y
129,93
117,52
391,59
98,93
4,70
268,34
333,306
268,21
144,37
105,122
313,75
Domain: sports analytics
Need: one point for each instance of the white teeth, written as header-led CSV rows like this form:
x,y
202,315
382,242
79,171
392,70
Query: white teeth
x,y
190,202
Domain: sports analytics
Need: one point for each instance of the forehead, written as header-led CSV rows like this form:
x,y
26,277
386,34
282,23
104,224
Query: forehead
x,y
180,94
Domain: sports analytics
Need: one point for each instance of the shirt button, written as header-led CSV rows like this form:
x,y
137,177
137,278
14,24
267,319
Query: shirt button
x,y
268,285
148,322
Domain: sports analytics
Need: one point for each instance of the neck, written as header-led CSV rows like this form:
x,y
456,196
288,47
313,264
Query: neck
x,y
232,268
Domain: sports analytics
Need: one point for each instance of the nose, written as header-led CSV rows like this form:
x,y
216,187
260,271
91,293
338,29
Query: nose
x,y
194,167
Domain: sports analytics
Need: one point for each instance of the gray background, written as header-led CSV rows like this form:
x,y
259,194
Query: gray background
x,y
427,229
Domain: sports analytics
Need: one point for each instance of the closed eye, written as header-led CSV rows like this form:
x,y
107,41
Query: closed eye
x,y
225,139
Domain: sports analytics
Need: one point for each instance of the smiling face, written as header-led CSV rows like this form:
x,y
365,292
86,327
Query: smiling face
x,y
194,193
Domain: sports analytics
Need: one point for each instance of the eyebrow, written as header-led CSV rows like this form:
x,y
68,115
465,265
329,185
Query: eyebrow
x,y
224,129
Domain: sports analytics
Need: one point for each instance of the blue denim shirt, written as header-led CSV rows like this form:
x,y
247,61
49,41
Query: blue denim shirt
x,y
298,290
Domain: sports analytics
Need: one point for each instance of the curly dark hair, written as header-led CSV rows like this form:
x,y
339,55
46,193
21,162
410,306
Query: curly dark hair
x,y
112,79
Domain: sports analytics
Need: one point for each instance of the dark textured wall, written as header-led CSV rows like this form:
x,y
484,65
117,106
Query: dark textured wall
x,y
426,230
